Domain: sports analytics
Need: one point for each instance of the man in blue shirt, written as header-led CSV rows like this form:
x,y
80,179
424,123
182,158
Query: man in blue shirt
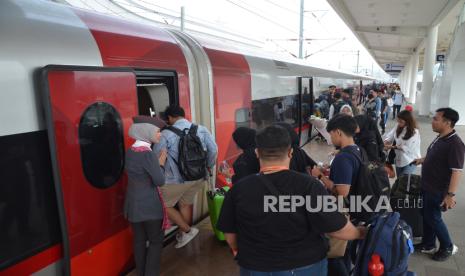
x,y
177,190
343,174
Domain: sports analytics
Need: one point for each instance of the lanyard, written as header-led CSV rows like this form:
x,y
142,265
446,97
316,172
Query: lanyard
x,y
272,169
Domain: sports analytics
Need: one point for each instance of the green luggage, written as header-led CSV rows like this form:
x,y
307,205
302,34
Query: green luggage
x,y
215,200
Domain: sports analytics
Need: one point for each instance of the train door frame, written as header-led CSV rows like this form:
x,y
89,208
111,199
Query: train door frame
x,y
169,78
45,90
300,87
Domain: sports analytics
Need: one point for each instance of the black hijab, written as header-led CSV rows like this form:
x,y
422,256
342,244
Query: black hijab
x,y
300,159
247,163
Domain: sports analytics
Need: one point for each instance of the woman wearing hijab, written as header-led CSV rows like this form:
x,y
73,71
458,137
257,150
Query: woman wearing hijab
x,y
143,205
247,163
300,161
369,138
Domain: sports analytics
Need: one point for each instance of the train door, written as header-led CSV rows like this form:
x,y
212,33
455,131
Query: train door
x,y
88,112
306,101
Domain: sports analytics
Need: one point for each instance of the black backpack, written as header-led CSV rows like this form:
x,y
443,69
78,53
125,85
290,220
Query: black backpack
x,y
192,158
372,180
337,106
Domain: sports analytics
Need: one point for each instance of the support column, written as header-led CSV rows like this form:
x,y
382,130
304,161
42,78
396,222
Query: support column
x,y
430,59
413,78
406,87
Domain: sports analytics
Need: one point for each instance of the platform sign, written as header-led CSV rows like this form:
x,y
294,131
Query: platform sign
x,y
393,68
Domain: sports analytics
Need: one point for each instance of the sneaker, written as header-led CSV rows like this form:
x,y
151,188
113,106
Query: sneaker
x,y
444,254
185,238
425,249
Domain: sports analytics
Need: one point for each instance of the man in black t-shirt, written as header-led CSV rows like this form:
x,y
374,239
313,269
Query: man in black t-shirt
x,y
286,241
440,175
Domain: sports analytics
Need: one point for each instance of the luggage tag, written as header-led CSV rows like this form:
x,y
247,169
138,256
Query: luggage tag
x,y
410,246
409,242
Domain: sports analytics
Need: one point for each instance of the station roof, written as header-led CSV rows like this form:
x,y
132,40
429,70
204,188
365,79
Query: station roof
x,y
392,30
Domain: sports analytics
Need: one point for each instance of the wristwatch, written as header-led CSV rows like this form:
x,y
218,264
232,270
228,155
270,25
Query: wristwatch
x,y
450,194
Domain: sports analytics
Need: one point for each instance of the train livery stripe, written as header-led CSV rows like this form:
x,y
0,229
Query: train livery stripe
x,y
102,258
131,44
34,263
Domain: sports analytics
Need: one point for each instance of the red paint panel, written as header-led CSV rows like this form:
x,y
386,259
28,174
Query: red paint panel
x,y
92,214
232,92
125,43
34,263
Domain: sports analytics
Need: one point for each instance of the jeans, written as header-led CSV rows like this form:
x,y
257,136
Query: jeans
x,y
316,269
409,169
148,258
383,120
433,225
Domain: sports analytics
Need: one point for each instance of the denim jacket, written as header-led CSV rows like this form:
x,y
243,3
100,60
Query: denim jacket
x,y
170,141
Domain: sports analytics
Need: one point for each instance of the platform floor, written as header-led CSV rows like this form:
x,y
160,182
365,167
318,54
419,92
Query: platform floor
x,y
206,256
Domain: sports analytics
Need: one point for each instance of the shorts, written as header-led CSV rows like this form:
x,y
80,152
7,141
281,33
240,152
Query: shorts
x,y
183,193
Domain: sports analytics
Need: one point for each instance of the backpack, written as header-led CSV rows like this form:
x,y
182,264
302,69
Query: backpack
x,y
337,106
192,158
372,180
390,238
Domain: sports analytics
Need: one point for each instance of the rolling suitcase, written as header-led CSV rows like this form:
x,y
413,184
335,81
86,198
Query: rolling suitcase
x,y
215,198
406,199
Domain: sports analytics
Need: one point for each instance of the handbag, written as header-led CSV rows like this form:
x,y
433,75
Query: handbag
x,y
391,155
337,247
390,170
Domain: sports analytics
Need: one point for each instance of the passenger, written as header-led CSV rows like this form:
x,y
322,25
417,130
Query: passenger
x,y
347,98
398,99
384,111
247,163
440,176
332,91
277,243
347,109
370,107
344,170
143,205
407,143
300,161
368,137
378,104
177,190
336,106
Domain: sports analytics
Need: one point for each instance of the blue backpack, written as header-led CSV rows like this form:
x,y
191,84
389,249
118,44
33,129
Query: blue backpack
x,y
389,237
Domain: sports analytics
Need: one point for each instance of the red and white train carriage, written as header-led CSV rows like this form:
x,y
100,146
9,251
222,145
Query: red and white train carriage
x,y
71,81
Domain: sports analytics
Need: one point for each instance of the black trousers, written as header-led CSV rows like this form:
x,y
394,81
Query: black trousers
x,y
395,110
148,257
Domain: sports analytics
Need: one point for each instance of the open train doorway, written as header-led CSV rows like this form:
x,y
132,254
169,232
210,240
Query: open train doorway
x,y
155,91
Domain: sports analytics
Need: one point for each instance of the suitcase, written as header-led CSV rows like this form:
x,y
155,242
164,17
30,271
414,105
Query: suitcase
x,y
215,200
406,199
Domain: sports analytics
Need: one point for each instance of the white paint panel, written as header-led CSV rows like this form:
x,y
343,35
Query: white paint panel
x,y
35,34
270,80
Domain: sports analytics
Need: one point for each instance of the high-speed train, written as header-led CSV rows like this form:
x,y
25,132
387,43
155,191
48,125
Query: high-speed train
x,y
70,83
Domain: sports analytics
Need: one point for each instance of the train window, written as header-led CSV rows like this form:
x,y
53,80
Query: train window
x,y
280,109
243,117
28,208
155,91
102,145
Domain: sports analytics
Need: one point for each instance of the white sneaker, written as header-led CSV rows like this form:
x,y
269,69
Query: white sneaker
x,y
455,249
185,238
